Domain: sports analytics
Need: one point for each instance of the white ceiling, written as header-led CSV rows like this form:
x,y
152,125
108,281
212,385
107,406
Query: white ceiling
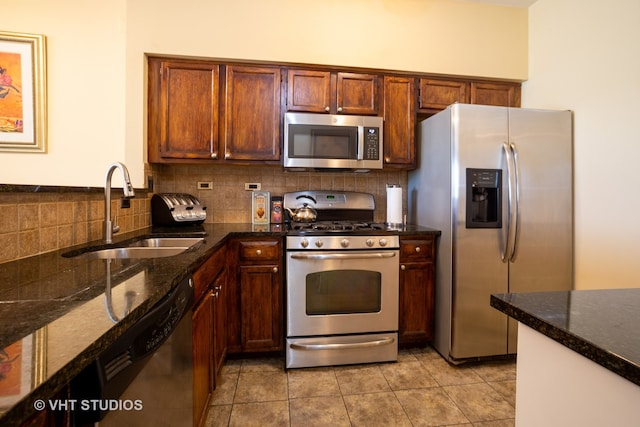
x,y
512,3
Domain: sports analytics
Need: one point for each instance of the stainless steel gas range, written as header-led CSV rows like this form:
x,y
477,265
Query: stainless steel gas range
x,y
342,281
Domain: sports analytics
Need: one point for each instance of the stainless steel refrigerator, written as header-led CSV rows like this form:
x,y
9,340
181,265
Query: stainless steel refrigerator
x,y
497,182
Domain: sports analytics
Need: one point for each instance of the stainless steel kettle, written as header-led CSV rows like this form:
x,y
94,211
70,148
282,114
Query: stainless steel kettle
x,y
305,213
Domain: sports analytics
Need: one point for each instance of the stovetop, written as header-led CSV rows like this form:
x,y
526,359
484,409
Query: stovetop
x,y
336,226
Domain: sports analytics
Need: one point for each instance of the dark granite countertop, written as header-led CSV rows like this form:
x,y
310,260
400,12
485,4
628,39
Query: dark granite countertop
x,y
601,325
52,307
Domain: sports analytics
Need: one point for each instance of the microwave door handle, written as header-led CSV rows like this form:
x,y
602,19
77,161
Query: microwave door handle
x,y
360,153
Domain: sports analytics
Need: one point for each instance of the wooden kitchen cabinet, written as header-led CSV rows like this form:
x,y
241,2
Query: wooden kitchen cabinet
x,y
417,275
209,330
255,310
435,95
183,110
252,113
195,115
501,94
399,122
316,91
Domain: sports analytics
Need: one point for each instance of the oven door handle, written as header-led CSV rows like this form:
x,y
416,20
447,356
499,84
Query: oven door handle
x,y
343,346
368,255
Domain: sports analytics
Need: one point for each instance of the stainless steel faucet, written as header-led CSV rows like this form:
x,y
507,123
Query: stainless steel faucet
x,y
128,192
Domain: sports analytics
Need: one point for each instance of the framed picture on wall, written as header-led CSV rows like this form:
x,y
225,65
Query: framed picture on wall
x,y
23,93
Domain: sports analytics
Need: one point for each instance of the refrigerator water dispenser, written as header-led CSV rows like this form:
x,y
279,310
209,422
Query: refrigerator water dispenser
x,y
484,198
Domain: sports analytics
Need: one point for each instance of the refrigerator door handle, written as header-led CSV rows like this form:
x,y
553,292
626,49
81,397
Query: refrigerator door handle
x,y
516,221
508,246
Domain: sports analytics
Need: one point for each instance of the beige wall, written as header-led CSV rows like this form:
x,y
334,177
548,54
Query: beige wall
x,y
96,59
585,56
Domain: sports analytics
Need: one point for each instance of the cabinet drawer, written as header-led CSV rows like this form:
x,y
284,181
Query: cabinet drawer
x,y
416,249
206,274
262,250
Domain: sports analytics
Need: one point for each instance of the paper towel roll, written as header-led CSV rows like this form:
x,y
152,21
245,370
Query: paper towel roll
x,y
394,204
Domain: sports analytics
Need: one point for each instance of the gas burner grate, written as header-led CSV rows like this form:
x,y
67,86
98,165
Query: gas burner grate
x,y
345,226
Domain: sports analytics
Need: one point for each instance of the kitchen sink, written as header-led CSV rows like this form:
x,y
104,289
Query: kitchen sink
x,y
151,247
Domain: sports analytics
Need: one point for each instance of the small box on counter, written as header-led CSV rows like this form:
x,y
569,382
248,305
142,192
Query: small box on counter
x,y
260,207
276,209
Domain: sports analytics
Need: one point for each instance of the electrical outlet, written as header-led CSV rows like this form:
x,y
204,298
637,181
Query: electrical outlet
x,y
205,185
252,186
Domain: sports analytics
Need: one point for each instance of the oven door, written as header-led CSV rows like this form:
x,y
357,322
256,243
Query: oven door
x,y
342,292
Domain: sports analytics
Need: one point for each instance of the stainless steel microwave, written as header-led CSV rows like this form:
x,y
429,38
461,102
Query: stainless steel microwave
x,y
327,141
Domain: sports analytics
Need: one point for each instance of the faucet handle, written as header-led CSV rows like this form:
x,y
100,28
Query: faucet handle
x,y
115,227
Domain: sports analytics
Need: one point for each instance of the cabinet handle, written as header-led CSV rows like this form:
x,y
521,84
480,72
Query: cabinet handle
x,y
214,155
275,269
215,294
327,109
259,252
417,248
217,288
403,267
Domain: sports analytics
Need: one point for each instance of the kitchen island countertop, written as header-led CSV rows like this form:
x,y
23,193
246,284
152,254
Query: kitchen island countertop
x,y
601,325
52,307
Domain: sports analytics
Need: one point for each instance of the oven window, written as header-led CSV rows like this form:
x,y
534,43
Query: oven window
x,y
343,292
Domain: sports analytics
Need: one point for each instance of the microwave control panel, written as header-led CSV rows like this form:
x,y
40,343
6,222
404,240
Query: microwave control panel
x,y
371,143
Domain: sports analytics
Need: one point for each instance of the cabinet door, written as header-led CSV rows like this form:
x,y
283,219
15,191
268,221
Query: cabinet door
x,y
399,122
188,110
500,94
357,94
252,113
309,91
202,325
261,308
436,95
416,303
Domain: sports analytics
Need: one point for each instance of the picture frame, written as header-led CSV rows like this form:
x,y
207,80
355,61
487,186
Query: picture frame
x,y
23,93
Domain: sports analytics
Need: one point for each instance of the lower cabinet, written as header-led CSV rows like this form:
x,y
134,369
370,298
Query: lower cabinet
x,y
209,335
417,275
255,300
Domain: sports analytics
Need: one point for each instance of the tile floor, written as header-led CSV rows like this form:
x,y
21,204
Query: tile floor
x,y
421,389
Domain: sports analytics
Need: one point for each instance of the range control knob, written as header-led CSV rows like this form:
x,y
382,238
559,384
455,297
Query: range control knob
x,y
344,243
319,243
370,242
383,242
304,243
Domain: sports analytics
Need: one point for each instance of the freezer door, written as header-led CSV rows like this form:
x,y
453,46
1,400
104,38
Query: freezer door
x,y
478,330
543,258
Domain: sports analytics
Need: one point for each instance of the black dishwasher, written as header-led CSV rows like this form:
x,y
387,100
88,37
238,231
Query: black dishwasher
x,y
146,376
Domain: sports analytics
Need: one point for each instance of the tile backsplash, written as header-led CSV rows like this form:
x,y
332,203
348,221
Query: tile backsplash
x,y
32,223
228,201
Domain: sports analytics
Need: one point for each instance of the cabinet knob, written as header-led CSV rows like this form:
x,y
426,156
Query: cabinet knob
x,y
327,109
275,269
217,288
214,155
387,160
417,248
403,267
339,109
259,252
227,155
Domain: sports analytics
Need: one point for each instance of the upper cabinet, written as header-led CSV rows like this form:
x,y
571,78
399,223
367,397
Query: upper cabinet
x,y
183,110
501,94
252,113
436,94
399,122
336,93
196,115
